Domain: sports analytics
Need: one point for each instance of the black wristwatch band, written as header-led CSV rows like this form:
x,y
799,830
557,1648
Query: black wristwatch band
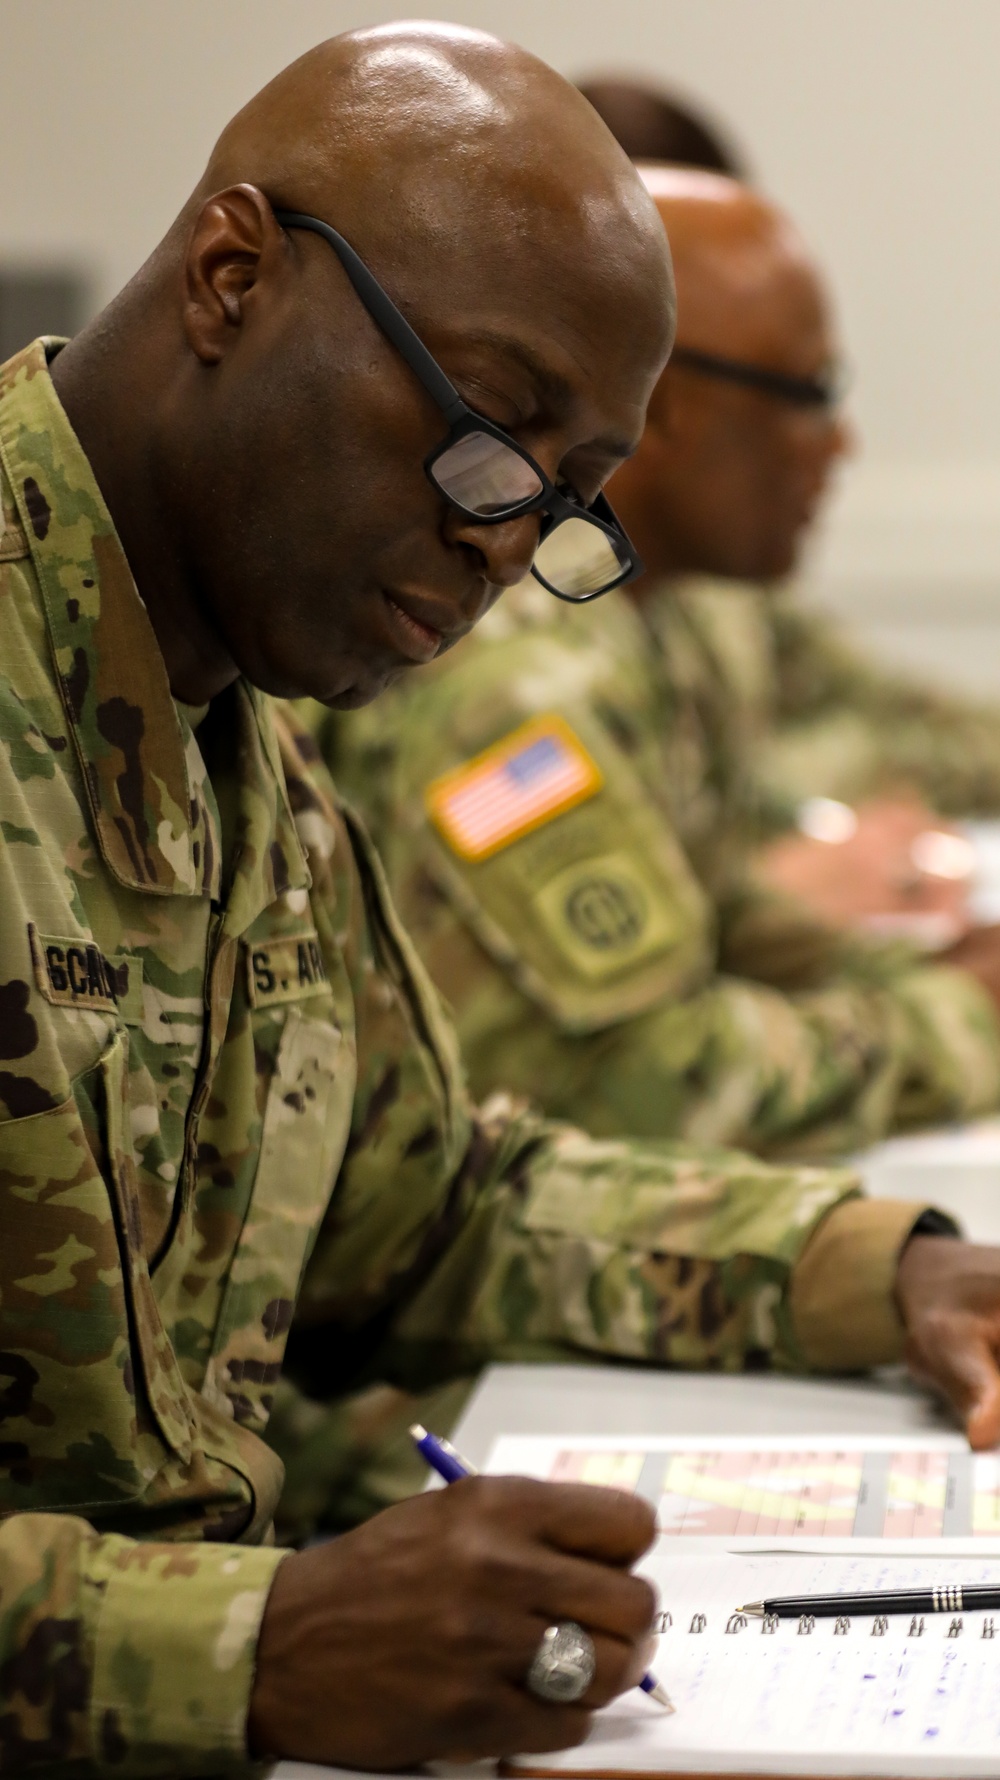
x,y
935,1223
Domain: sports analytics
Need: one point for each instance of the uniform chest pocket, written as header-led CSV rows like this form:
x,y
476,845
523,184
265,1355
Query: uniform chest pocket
x,y
89,1391
307,1121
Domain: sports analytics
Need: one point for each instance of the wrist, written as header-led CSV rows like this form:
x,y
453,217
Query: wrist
x,y
919,1260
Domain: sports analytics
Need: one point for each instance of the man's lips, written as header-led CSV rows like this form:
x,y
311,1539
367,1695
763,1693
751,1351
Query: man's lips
x,y
413,632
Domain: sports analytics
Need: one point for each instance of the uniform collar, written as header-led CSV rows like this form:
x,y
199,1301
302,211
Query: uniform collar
x,y
152,809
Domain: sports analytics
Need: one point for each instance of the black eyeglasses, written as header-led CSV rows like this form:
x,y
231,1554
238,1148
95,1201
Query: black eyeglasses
x,y
825,391
480,470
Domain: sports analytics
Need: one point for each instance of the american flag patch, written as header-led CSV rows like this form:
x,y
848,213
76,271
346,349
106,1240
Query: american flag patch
x,y
535,773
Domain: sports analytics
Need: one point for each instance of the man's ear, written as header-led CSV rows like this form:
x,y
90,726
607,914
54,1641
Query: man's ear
x,y
233,237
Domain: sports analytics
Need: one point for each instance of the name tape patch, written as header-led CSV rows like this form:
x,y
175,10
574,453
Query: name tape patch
x,y
286,969
76,973
520,783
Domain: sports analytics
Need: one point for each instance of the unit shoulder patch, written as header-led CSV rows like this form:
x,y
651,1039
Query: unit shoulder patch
x,y
287,968
607,914
523,781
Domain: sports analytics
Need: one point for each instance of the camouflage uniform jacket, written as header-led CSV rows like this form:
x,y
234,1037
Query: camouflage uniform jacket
x,y
227,1084
839,725
593,928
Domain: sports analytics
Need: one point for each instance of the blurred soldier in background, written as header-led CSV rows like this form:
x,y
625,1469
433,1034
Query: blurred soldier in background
x,y
830,723
564,803
834,723
652,125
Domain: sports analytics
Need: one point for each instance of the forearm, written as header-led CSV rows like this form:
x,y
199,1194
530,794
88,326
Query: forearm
x,y
953,1046
115,1652
735,1064
860,729
647,1252
852,1062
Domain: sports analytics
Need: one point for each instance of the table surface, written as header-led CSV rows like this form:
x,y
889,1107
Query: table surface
x,y
959,1170
630,1400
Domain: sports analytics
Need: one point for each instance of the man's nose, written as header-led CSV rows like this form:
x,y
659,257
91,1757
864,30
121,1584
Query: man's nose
x,y
505,551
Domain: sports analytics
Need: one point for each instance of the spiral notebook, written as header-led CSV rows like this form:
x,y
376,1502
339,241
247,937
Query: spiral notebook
x,y
893,1696
742,1518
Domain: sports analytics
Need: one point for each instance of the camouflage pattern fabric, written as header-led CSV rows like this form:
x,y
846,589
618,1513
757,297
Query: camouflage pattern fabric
x,y
227,1086
612,958
841,726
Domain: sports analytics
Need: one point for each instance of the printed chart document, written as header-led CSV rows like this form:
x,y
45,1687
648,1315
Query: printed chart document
x,y
903,1494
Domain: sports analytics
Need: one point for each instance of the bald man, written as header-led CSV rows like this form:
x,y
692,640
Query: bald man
x,y
220,1061
380,367
605,951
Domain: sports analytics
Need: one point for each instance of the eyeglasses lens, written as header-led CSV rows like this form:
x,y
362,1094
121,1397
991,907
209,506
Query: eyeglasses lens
x,y
577,558
482,475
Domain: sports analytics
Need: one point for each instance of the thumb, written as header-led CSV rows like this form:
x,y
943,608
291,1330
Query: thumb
x,y
966,1369
982,1420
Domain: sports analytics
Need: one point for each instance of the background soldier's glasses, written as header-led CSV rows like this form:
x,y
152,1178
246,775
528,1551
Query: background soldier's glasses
x,y
479,469
825,391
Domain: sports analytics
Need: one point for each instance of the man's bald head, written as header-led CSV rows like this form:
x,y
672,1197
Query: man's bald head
x,y
746,282
288,434
431,136
729,476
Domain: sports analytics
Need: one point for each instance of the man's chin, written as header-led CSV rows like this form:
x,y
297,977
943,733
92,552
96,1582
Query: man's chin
x,y
363,692
775,566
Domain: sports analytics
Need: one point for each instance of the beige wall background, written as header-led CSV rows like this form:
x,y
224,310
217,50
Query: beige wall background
x,y
875,121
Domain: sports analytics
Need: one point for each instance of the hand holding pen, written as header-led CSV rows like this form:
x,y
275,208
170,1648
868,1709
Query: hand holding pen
x,y
565,1663
409,1639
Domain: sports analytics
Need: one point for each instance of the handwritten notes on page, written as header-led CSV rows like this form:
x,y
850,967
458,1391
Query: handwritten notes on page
x,y
880,1696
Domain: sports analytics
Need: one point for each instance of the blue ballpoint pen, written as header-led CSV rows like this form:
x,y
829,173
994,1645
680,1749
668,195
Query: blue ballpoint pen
x,y
449,1465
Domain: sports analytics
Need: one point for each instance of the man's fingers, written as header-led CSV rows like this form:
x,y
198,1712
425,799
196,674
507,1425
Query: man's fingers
x,y
982,1424
961,1360
606,1524
538,1726
612,1600
620,1665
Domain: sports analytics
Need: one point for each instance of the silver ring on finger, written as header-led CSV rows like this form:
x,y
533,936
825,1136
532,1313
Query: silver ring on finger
x,y
564,1665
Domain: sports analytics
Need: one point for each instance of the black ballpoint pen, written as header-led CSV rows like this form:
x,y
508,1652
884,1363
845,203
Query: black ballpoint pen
x,y
952,1597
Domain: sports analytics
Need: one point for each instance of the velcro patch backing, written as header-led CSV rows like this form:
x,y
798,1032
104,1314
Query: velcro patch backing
x,y
285,969
76,973
535,773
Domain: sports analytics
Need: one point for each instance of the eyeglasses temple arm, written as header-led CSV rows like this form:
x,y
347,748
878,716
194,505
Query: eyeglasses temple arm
x,y
808,392
383,311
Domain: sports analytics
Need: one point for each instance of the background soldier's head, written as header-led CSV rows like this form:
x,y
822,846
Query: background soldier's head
x,y
745,425
654,125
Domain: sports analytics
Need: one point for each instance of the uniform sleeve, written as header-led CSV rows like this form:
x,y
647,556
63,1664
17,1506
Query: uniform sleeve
x,y
846,728
588,970
533,1278
455,1238
651,1252
920,1041
120,1656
